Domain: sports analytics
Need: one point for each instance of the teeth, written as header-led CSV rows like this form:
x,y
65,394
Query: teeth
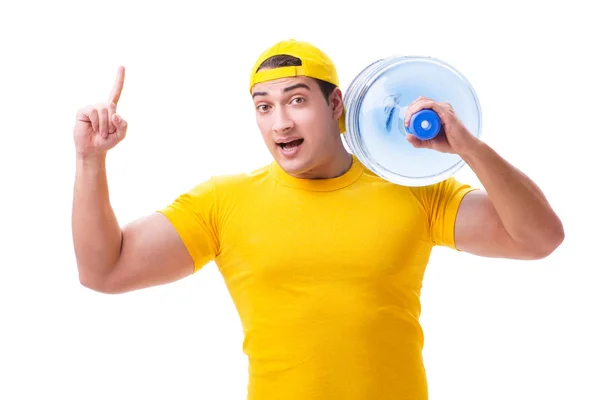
x,y
296,141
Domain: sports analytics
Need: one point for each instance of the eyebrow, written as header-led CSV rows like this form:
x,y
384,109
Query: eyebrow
x,y
287,89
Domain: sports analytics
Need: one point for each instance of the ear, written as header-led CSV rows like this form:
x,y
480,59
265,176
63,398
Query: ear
x,y
337,103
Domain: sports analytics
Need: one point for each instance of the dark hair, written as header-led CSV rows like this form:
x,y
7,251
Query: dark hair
x,y
285,60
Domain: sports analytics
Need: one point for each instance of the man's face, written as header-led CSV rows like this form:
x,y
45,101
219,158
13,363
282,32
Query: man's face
x,y
297,124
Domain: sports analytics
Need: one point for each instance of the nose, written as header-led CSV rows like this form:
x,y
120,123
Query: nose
x,y
282,121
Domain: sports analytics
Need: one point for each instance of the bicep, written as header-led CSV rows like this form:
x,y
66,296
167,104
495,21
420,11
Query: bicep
x,y
479,230
152,253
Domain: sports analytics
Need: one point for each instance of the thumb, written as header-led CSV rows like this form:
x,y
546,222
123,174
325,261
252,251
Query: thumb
x,y
121,126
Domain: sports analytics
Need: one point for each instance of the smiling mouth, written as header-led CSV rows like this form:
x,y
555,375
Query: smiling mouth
x,y
291,145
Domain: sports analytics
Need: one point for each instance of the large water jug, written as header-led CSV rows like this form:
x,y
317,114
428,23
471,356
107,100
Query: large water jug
x,y
376,103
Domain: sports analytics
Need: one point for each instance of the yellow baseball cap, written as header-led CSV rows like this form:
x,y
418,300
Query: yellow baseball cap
x,y
315,64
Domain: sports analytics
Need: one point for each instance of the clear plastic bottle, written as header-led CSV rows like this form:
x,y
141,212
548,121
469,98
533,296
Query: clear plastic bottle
x,y
376,103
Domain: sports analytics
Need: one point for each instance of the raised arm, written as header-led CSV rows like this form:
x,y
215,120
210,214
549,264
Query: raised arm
x,y
146,252
511,218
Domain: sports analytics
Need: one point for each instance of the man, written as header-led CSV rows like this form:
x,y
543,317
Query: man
x,y
323,259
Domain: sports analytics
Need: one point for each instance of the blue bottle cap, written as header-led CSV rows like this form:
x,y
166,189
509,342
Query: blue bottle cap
x,y
425,124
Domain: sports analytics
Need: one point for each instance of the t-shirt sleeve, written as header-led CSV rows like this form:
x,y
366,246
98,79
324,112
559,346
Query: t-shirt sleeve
x,y
194,216
441,202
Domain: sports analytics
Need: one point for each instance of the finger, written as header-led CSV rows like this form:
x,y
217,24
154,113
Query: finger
x,y
115,95
121,125
89,115
103,121
424,104
439,108
416,104
413,108
93,116
448,107
112,109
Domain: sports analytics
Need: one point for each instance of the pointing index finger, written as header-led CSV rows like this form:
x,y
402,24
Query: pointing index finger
x,y
118,86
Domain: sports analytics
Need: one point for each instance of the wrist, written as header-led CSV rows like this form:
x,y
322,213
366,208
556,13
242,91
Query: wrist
x,y
472,150
93,161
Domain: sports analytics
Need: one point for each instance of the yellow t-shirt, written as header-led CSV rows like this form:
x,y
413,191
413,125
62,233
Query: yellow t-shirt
x,y
325,275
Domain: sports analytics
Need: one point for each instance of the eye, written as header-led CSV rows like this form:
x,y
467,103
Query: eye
x,y
298,100
262,107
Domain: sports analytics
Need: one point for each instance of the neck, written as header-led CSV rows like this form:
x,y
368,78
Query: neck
x,y
336,165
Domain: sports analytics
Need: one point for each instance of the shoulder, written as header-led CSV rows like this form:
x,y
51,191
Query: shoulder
x,y
216,193
448,187
229,187
447,193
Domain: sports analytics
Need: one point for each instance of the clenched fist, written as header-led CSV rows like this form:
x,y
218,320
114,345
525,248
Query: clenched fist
x,y
99,128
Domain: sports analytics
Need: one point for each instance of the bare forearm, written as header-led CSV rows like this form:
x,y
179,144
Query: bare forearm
x,y
522,207
96,231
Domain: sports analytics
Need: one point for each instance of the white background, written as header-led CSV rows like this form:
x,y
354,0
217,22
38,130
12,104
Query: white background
x,y
495,329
